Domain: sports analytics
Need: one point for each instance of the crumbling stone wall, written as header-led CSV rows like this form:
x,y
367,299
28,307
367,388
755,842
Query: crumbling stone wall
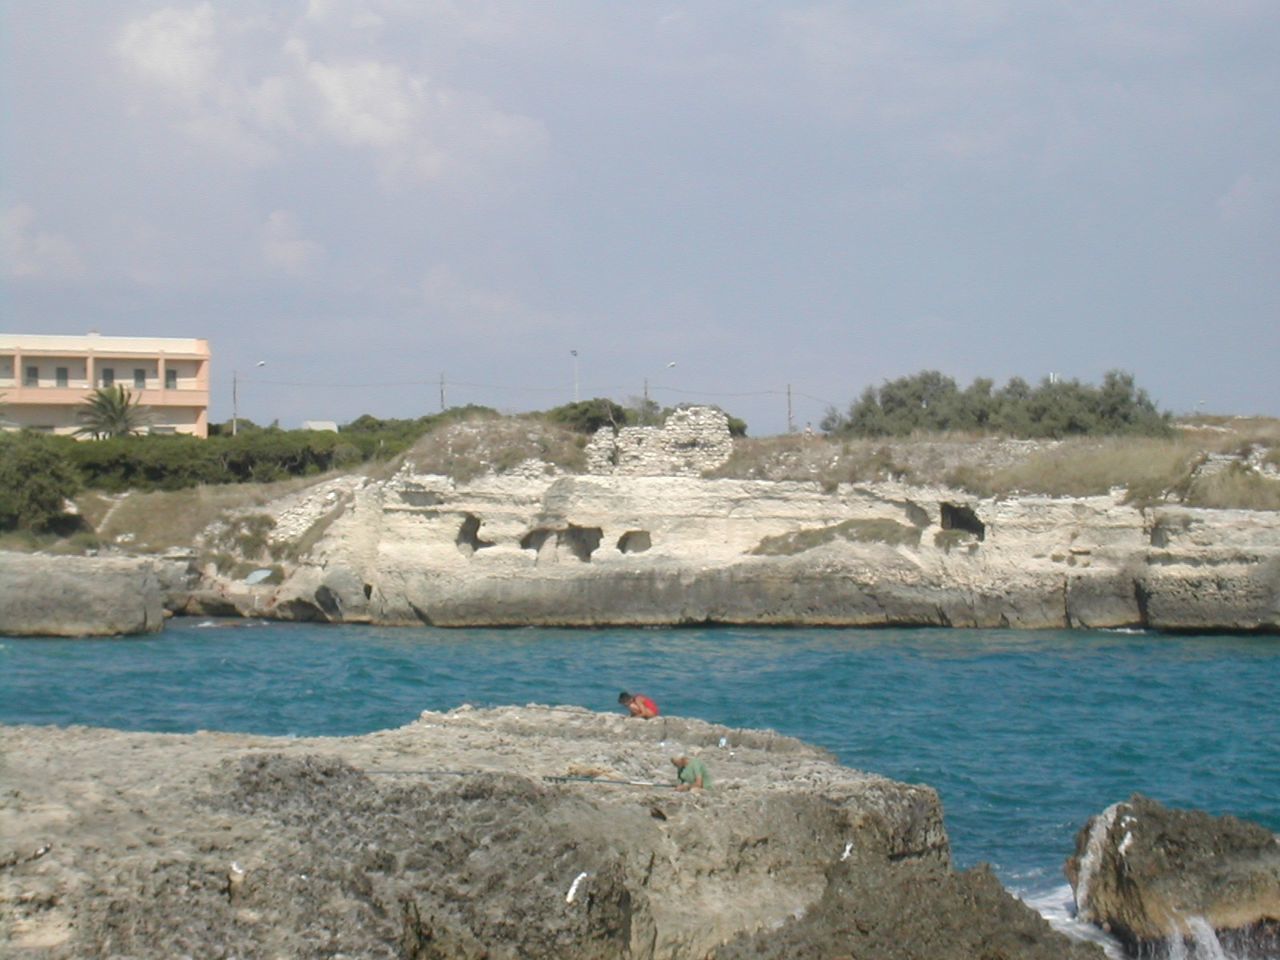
x,y
692,441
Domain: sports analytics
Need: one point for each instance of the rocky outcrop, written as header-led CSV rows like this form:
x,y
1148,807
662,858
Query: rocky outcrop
x,y
692,441
656,550
1155,877
921,914
511,833
62,596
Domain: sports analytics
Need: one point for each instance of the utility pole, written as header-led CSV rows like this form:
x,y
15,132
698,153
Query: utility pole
x,y
791,427
575,375
235,400
442,392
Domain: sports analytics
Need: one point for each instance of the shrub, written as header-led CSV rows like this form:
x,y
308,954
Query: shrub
x,y
588,416
931,401
36,480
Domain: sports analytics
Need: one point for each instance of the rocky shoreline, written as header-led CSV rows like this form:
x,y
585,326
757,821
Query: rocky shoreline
x,y
513,832
662,551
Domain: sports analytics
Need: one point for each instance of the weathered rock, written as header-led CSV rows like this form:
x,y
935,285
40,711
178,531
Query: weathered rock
x,y
652,550
863,913
1151,875
42,595
511,833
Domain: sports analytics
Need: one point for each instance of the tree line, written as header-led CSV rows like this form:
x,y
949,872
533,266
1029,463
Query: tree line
x,y
930,401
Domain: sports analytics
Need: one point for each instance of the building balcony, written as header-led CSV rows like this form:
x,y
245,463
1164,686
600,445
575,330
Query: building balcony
x,y
71,395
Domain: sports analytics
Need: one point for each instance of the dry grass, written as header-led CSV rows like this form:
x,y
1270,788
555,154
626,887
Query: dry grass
x,y
26,541
803,457
1147,467
1235,488
472,448
1224,434
162,520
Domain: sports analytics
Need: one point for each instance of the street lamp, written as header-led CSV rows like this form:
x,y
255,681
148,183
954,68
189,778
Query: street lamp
x,y
235,399
645,411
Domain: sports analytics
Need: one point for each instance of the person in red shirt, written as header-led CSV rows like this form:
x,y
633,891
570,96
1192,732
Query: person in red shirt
x,y
638,704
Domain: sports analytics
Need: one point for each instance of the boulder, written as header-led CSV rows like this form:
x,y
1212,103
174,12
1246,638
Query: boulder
x,y
64,596
513,833
1154,877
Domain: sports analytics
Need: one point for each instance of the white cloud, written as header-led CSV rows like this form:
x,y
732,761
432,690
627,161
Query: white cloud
x,y
31,253
284,247
174,49
256,108
368,103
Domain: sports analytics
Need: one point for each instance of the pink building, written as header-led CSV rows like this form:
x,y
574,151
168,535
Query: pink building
x,y
44,380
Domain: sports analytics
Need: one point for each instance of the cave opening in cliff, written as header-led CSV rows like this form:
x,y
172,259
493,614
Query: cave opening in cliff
x,y
534,539
634,541
468,539
581,541
959,517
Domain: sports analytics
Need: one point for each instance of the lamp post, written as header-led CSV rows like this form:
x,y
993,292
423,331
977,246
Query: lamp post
x,y
645,411
235,399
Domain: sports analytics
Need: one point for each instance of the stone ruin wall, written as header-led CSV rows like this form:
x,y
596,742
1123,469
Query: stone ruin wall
x,y
692,441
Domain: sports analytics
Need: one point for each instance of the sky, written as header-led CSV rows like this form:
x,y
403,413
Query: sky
x,y
768,206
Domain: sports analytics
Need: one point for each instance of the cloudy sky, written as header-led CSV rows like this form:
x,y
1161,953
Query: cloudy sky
x,y
369,195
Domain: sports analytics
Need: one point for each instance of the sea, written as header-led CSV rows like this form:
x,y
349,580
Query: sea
x,y
1025,734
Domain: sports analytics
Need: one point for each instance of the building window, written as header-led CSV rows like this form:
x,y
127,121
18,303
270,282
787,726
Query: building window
x,y
61,375
33,377
171,379
108,377
139,379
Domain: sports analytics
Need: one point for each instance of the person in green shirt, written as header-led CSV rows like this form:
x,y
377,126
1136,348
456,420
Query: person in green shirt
x,y
691,774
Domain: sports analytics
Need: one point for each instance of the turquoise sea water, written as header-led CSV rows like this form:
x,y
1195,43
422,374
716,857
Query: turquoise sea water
x,y
1024,734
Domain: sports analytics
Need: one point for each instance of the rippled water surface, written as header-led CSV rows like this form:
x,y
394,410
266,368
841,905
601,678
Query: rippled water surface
x,y
1025,735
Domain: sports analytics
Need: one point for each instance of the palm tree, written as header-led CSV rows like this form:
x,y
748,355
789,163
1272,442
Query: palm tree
x,y
112,412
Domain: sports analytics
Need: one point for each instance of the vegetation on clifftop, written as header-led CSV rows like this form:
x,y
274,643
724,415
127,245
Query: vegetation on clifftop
x,y
178,484
932,402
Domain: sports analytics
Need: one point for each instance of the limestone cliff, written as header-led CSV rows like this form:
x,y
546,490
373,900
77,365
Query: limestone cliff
x,y
528,548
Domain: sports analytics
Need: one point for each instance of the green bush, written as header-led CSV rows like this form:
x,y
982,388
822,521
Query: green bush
x,y
36,479
932,402
588,416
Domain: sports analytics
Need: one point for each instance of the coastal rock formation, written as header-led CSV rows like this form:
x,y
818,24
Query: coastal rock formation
x,y
660,550
1154,877
531,832
67,596
692,441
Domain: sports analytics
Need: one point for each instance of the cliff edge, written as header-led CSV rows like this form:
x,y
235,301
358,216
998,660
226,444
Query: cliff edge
x,y
507,833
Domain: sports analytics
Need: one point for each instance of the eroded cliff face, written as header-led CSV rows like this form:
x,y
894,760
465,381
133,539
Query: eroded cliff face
x,y
533,832
597,550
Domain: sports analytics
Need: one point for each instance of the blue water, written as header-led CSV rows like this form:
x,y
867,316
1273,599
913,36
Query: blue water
x,y
1025,735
